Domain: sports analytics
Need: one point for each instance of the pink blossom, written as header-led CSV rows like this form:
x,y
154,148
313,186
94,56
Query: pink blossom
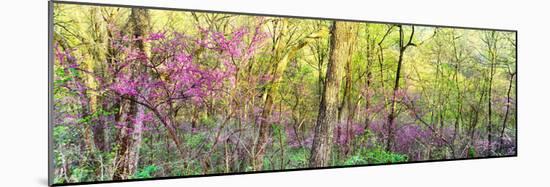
x,y
156,36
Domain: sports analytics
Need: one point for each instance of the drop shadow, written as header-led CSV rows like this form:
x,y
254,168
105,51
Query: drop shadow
x,y
42,181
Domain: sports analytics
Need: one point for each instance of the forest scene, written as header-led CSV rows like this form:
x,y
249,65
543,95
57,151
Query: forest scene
x,y
146,93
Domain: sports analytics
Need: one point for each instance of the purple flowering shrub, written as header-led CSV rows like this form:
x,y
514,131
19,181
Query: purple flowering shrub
x,y
173,74
175,70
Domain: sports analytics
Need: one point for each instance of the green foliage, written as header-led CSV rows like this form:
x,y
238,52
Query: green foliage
x,y
58,179
375,156
267,164
356,160
195,140
208,121
440,153
277,157
100,112
61,134
146,172
279,133
298,157
471,152
379,156
193,168
61,77
81,174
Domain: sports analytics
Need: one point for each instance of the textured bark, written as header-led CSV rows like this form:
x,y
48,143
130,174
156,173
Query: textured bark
x,y
342,35
130,135
346,108
122,163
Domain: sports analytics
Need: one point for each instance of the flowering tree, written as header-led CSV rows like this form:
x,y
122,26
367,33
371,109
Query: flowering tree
x,y
179,70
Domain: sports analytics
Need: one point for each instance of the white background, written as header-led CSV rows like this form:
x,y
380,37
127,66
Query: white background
x,y
23,93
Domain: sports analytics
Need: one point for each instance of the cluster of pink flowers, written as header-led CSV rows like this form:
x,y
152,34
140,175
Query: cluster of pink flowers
x,y
172,73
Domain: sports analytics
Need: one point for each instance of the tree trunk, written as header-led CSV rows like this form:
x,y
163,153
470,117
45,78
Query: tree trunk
x,y
130,135
342,34
506,114
277,76
392,115
458,118
347,104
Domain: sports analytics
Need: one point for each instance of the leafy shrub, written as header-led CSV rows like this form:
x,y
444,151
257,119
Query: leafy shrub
x,y
298,157
375,156
195,140
380,156
279,132
356,160
61,134
81,174
471,152
146,172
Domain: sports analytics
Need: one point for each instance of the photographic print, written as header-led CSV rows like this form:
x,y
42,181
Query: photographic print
x,y
150,93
